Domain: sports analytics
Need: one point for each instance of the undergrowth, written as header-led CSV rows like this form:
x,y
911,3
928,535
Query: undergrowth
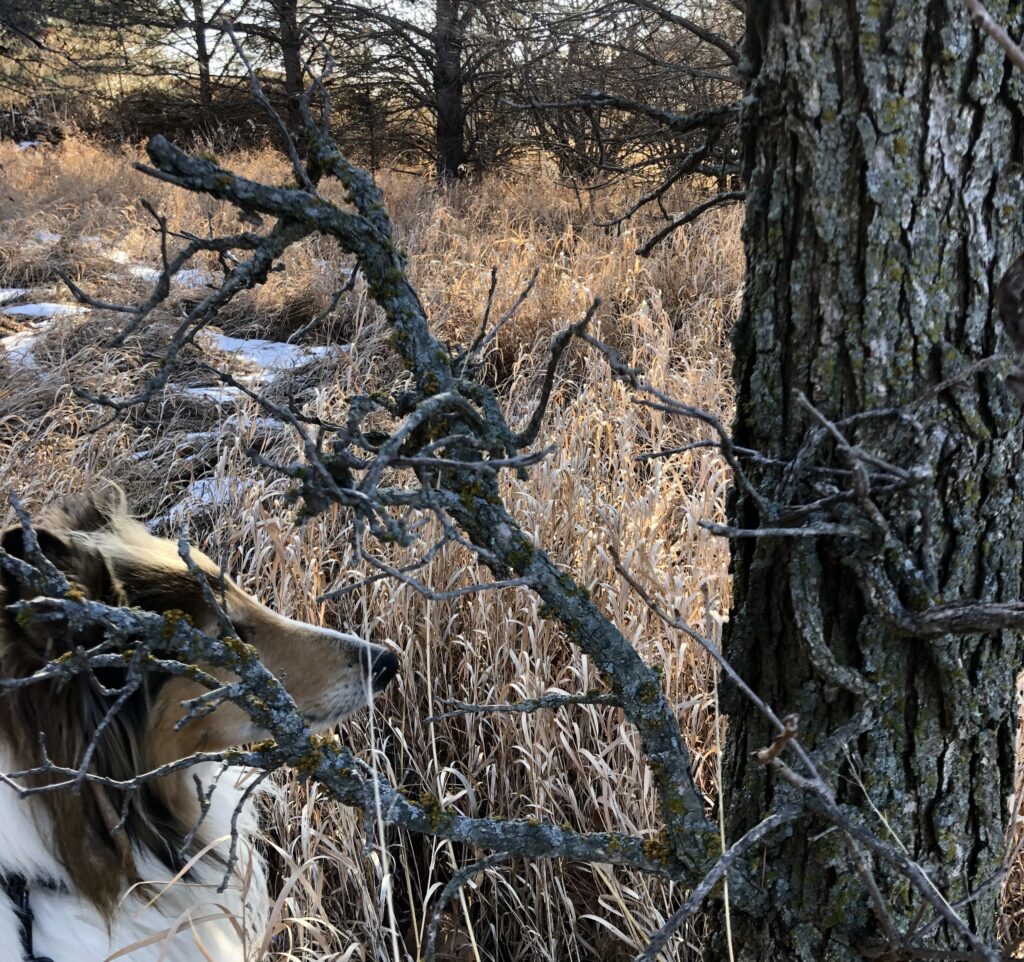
x,y
668,314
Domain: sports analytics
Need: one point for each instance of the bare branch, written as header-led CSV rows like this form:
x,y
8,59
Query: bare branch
x,y
558,344
718,872
726,197
984,20
460,878
714,39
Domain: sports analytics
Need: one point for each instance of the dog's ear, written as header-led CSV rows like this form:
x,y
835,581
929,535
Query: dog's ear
x,y
81,563
96,510
83,566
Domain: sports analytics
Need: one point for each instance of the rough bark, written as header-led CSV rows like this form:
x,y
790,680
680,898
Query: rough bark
x,y
291,61
448,83
882,139
202,57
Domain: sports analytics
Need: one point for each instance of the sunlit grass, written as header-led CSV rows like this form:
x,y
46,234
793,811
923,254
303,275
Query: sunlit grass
x,y
669,314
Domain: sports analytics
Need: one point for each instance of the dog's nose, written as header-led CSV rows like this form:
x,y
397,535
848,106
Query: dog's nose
x,y
383,669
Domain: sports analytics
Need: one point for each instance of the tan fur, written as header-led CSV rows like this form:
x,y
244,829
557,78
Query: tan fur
x,y
112,558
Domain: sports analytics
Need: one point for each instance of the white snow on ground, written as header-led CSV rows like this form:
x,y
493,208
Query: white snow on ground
x,y
42,310
193,277
11,294
202,494
243,422
238,422
46,236
218,393
194,437
20,347
145,273
29,144
269,355
187,277
190,277
212,490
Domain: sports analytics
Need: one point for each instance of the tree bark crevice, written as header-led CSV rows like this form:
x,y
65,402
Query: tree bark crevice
x,y
879,217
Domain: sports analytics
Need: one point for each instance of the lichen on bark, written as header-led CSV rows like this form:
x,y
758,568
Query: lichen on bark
x,y
883,148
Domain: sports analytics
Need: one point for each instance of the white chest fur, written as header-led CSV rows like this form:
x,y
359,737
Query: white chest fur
x,y
167,921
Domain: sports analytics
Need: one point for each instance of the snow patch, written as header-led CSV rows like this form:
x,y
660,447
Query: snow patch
x,y
190,445
189,277
202,494
29,144
11,293
244,422
145,273
42,310
218,393
20,348
46,236
269,355
193,277
193,437
213,490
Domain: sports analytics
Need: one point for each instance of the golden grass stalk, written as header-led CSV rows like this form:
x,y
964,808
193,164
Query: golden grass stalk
x,y
669,314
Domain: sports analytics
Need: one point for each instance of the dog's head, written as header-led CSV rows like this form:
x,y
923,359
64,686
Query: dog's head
x,y
110,557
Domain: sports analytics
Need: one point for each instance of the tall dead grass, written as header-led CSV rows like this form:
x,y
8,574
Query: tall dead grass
x,y
341,898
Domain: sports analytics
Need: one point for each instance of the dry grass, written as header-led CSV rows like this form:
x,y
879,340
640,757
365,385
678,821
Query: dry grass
x,y
669,314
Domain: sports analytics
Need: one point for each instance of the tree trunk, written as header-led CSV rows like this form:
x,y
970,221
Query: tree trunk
x,y
884,204
291,60
448,80
202,58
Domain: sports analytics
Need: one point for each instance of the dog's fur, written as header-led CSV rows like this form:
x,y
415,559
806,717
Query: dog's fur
x,y
97,902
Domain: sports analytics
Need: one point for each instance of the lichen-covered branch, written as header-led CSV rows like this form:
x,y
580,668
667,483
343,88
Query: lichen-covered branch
x,y
450,436
144,641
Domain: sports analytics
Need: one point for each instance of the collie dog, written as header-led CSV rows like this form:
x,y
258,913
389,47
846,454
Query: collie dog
x,y
97,875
